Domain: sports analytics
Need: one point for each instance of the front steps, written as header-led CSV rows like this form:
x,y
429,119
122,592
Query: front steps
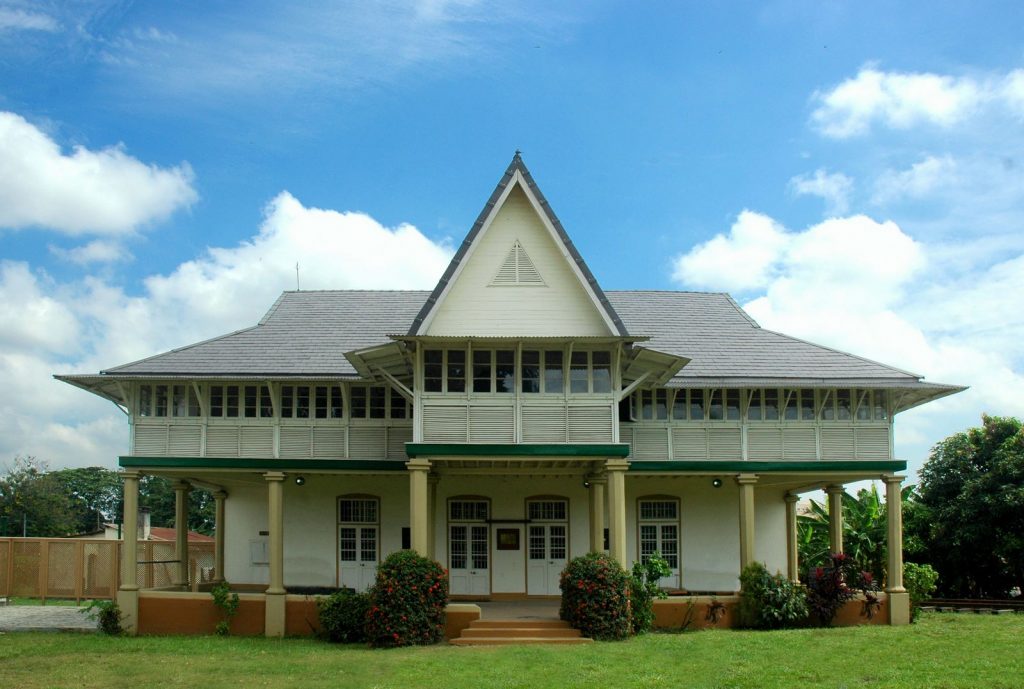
x,y
508,632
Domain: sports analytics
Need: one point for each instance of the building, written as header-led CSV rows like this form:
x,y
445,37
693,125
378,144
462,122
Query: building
x,y
515,416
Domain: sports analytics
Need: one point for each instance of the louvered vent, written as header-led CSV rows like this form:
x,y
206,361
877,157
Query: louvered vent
x,y
650,443
222,441
296,442
873,443
517,269
398,436
183,441
837,443
764,444
445,424
798,443
725,444
329,443
150,440
492,424
366,443
544,424
689,443
257,441
590,424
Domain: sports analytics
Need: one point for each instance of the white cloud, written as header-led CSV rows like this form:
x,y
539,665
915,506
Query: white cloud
x,y
96,251
91,324
919,180
741,261
84,192
834,188
903,100
867,287
12,19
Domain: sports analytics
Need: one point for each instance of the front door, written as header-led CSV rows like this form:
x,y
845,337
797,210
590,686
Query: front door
x,y
546,556
357,555
469,549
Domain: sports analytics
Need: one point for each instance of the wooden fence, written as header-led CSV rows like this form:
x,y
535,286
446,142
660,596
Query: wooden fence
x,y
90,568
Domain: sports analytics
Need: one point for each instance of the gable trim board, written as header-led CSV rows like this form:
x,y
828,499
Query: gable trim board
x,y
517,176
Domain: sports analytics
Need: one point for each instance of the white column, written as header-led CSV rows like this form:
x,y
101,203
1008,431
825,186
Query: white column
x,y
792,552
181,491
596,513
274,618
835,517
899,599
218,535
616,472
128,591
746,517
419,469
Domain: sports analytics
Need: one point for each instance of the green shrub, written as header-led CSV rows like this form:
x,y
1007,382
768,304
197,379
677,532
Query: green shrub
x,y
227,603
595,597
407,602
920,582
831,586
770,601
643,589
107,615
343,616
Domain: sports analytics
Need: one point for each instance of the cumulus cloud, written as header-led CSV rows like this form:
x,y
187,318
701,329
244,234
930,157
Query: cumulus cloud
x,y
84,192
91,324
903,100
835,188
740,261
867,287
97,251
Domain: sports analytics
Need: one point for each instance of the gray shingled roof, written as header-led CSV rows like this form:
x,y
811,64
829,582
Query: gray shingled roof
x,y
308,333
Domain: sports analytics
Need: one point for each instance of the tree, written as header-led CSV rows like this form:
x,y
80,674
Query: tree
x,y
157,493
968,521
33,502
95,495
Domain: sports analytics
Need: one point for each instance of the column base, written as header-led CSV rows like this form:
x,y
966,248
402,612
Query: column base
x,y
128,602
899,607
274,619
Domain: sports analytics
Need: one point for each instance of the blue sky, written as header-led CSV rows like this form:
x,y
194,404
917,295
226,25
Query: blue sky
x,y
850,172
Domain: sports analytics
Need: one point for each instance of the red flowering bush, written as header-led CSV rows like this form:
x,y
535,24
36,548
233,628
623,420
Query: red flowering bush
x,y
829,587
595,597
407,602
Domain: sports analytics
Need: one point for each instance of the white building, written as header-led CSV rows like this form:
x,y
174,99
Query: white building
x,y
516,416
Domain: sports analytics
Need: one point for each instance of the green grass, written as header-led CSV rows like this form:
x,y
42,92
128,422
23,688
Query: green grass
x,y
942,651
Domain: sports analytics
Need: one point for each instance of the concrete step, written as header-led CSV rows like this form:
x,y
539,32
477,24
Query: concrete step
x,y
498,624
520,632
511,640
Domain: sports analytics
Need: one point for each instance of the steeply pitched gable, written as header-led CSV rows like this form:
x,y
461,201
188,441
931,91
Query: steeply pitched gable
x,y
517,273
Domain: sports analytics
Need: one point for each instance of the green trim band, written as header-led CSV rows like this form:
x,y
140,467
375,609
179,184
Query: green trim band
x,y
711,467
132,462
516,450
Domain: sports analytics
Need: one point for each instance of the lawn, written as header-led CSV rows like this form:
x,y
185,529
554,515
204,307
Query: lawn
x,y
943,650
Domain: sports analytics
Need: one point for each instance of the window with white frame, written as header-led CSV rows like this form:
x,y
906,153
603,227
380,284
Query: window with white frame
x,y
590,372
659,529
543,371
444,370
378,402
168,400
257,402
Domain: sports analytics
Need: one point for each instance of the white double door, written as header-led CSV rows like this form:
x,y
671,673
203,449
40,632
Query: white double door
x,y
469,559
357,556
546,554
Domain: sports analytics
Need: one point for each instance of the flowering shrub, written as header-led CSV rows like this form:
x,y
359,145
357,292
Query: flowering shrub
x,y
595,597
643,589
830,586
343,616
920,581
407,601
770,601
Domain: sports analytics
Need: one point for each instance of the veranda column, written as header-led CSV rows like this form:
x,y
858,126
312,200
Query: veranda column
x,y
746,483
128,591
218,536
274,619
419,469
835,518
899,599
432,481
616,472
596,513
792,557
181,491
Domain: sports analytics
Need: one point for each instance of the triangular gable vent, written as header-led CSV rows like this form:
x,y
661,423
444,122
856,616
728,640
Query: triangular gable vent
x,y
517,269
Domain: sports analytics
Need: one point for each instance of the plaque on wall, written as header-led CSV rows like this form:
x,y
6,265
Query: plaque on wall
x,y
508,539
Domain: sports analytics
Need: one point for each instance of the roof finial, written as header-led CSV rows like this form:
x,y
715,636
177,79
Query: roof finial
x,y
519,154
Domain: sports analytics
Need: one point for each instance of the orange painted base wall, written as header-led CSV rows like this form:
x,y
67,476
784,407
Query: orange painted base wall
x,y
674,612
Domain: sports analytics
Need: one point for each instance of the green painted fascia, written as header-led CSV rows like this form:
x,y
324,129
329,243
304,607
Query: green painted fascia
x,y
710,466
131,462
516,450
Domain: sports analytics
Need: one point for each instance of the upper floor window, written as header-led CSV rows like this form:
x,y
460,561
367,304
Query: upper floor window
x,y
444,370
257,402
650,405
494,370
379,402
168,400
590,372
543,371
